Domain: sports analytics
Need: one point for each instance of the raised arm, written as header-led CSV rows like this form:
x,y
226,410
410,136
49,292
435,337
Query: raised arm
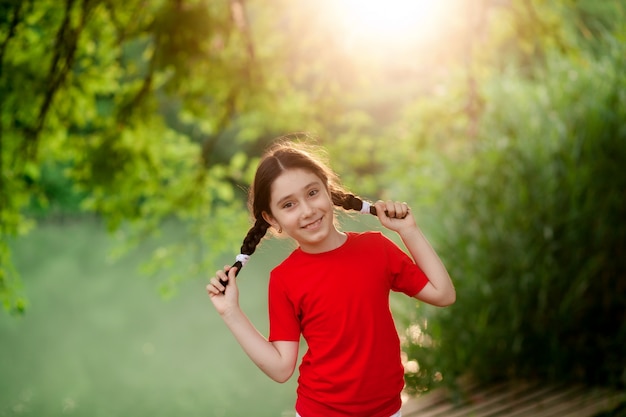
x,y
276,359
398,217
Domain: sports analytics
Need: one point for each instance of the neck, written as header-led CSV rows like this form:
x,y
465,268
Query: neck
x,y
334,240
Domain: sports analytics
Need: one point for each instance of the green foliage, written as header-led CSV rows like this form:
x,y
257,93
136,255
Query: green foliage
x,y
506,133
123,108
533,230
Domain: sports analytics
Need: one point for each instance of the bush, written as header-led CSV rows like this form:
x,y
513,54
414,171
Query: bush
x,y
534,234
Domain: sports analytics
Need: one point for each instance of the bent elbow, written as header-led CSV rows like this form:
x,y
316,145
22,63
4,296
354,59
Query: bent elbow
x,y
281,377
447,299
282,380
451,299
437,297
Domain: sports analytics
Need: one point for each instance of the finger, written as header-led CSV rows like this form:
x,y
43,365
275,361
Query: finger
x,y
384,209
224,278
390,208
402,209
212,290
220,280
380,208
232,272
397,210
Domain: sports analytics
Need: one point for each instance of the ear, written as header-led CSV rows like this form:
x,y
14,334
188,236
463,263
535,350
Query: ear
x,y
271,220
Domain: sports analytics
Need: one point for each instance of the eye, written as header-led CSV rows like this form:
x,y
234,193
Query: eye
x,y
287,205
313,192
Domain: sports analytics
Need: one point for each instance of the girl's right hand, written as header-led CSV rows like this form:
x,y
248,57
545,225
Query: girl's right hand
x,y
224,298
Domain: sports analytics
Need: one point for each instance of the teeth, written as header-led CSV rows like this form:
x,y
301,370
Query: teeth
x,y
312,224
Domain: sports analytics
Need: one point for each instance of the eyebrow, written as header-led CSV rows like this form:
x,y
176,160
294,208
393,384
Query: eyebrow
x,y
287,197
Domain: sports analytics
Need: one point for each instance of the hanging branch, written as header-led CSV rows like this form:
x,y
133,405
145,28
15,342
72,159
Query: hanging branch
x,y
122,29
15,20
127,110
64,54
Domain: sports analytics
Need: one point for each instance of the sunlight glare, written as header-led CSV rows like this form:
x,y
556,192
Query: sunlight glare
x,y
391,20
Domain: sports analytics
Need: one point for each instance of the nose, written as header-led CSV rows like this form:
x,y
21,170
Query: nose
x,y
307,209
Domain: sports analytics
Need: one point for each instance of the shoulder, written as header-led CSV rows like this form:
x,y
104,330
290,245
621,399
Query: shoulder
x,y
378,245
369,244
288,264
369,237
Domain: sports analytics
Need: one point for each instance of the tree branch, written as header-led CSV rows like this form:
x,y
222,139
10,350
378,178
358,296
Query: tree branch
x,y
65,46
15,19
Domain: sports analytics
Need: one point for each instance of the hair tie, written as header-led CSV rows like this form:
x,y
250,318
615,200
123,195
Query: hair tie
x,y
365,208
242,258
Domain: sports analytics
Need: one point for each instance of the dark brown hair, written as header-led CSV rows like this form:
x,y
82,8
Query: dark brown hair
x,y
282,156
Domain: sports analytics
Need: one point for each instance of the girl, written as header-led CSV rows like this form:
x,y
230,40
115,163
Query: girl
x,y
333,289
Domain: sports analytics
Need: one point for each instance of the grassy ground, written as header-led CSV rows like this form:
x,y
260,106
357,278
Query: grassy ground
x,y
98,340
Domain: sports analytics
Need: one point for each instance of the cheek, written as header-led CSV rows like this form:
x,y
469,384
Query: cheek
x,y
330,201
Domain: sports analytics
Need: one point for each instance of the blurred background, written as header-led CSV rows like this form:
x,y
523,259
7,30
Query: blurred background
x,y
130,131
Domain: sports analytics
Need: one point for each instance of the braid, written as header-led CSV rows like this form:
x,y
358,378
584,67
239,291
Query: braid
x,y
282,156
346,200
250,242
254,236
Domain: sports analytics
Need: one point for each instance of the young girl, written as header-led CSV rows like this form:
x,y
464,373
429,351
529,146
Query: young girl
x,y
333,289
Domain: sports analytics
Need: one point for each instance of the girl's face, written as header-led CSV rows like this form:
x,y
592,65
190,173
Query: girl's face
x,y
301,205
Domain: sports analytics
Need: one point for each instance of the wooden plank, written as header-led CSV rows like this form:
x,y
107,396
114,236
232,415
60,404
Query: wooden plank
x,y
564,408
515,399
435,398
545,403
491,402
520,399
606,402
443,405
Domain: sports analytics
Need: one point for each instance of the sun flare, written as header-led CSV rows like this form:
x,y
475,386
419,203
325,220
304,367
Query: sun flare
x,y
396,21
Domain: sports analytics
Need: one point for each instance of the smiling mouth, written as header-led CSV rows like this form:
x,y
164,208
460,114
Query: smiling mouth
x,y
314,224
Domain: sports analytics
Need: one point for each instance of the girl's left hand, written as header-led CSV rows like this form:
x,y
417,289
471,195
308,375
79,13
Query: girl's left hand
x,y
394,215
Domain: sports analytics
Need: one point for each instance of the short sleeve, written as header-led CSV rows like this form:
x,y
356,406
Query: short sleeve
x,y
406,276
283,316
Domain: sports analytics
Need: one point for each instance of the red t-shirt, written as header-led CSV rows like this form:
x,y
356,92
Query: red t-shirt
x,y
339,302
